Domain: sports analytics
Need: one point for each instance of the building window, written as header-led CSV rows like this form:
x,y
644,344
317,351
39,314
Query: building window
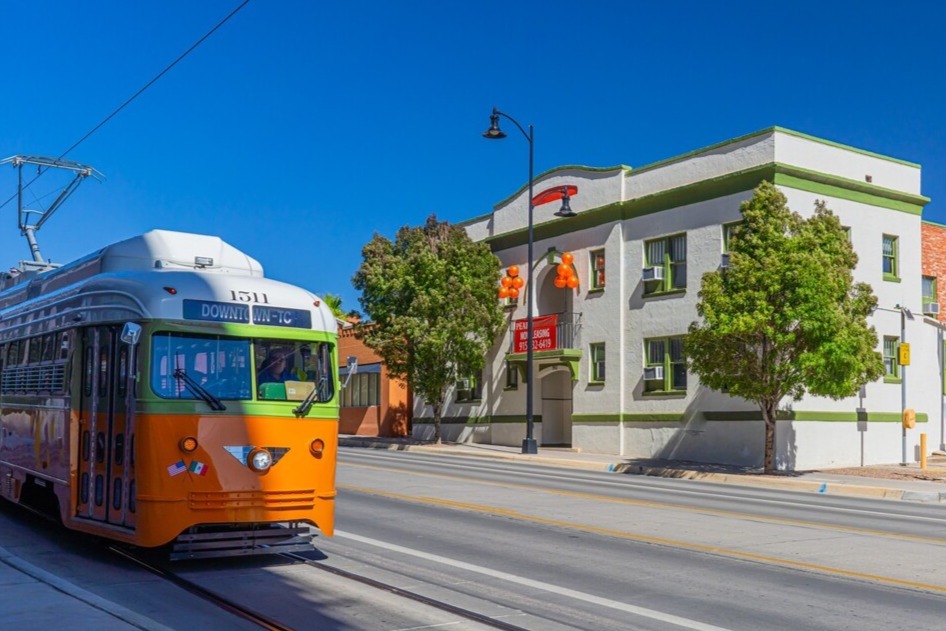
x,y
929,289
470,388
597,269
891,365
668,258
665,368
364,388
728,229
597,362
512,377
891,269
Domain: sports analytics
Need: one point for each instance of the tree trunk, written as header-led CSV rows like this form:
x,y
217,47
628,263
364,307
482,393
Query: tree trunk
x,y
768,416
437,407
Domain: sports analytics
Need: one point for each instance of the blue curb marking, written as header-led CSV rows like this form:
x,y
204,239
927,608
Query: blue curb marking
x,y
824,487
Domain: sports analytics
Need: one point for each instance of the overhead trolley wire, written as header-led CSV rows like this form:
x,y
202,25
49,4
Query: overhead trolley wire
x,y
135,95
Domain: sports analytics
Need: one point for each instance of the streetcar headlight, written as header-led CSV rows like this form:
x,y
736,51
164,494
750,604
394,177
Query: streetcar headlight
x,y
260,460
317,447
188,444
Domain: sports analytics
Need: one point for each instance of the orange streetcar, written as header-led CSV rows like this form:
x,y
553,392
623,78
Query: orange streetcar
x,y
163,392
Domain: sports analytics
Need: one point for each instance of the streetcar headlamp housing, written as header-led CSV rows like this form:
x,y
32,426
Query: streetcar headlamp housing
x,y
188,444
317,447
260,460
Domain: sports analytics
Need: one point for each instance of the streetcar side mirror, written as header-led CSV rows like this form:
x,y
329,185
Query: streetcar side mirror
x,y
131,333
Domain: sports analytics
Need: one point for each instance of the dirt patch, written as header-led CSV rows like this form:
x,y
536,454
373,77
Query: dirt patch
x,y
912,471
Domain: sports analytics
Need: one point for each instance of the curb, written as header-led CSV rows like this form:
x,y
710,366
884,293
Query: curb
x,y
821,487
71,590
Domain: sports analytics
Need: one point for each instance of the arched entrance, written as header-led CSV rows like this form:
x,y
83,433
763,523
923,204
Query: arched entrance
x,y
555,378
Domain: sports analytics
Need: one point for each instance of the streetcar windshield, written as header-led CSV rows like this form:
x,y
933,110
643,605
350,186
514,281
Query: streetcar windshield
x,y
190,366
221,366
294,371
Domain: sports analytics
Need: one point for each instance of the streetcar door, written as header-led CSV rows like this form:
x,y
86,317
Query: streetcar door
x,y
103,448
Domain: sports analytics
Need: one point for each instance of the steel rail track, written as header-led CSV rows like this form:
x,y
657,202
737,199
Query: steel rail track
x,y
397,591
240,611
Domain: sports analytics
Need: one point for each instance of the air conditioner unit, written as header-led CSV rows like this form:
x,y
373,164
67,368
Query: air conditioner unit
x,y
653,273
931,308
724,263
463,384
653,373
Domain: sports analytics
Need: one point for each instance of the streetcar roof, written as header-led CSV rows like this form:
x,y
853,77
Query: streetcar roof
x,y
165,275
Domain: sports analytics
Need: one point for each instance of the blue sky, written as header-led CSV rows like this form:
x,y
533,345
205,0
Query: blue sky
x,y
300,128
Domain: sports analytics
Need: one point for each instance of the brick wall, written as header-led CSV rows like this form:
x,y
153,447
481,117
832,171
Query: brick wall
x,y
393,416
934,260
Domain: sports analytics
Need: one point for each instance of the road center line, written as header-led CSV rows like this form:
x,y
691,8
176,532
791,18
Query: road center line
x,y
548,587
749,556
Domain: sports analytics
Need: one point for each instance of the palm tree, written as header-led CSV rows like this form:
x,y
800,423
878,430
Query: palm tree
x,y
335,304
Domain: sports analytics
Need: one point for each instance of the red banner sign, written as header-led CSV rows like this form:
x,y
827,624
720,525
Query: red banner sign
x,y
544,329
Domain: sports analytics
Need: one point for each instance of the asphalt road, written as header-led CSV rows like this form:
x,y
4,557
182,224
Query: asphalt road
x,y
556,549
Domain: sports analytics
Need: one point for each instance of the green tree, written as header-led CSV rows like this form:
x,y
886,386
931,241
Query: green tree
x,y
334,302
431,295
786,317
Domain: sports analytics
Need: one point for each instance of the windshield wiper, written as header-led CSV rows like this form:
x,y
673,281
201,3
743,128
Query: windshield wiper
x,y
306,404
214,403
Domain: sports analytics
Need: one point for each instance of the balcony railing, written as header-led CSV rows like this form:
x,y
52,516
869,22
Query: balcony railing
x,y
554,331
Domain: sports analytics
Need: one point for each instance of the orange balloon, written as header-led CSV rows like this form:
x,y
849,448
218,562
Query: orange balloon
x,y
506,281
517,282
560,282
572,282
513,270
568,258
503,292
513,292
564,270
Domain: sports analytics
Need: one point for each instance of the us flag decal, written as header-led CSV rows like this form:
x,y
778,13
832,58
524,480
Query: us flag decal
x,y
176,468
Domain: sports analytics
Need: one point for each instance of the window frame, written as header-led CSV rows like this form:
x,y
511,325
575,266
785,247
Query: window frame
x,y
893,257
668,385
891,359
675,271
596,265
597,364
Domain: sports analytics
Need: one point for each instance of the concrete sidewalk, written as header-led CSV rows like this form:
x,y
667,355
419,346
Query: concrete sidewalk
x,y
886,482
36,599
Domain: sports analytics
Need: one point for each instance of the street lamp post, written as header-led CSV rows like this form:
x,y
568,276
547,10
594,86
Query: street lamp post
x,y
563,193
494,132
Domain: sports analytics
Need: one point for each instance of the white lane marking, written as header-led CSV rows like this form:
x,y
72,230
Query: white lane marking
x,y
548,587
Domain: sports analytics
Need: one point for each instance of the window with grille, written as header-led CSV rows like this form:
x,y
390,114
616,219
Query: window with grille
x,y
597,269
891,365
891,270
666,356
597,362
669,255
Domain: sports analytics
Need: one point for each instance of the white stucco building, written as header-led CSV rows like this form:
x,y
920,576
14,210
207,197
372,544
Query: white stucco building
x,y
615,381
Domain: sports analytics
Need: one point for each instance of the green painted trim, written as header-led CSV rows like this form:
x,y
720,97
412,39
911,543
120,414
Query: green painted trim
x,y
890,278
888,379
597,418
653,417
475,420
568,357
853,190
248,408
664,393
663,292
596,383
825,417
933,223
729,184
595,290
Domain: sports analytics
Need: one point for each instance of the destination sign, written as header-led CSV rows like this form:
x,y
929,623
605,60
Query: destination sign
x,y
216,311
277,316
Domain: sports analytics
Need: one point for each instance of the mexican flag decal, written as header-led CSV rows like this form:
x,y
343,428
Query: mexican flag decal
x,y
198,467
